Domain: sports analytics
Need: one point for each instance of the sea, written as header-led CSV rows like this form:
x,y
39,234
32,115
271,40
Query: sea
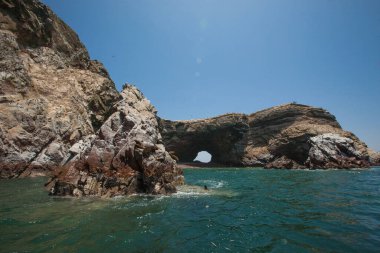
x,y
242,210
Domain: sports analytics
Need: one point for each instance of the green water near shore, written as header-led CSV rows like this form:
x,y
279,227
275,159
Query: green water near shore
x,y
245,210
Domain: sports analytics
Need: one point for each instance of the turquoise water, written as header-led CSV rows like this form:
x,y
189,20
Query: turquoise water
x,y
245,210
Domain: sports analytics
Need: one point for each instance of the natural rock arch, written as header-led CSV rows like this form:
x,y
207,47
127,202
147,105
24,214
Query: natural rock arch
x,y
280,137
218,136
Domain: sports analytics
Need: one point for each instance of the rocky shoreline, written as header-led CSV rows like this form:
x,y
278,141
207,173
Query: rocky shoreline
x,y
61,116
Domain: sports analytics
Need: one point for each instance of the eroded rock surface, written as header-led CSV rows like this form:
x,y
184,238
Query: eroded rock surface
x,y
60,114
374,157
287,136
51,93
127,156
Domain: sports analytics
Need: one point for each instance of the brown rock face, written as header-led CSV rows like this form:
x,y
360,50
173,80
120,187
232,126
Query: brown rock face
x,y
61,114
126,156
287,136
51,93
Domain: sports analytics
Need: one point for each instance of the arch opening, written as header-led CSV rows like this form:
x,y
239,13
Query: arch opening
x,y
203,157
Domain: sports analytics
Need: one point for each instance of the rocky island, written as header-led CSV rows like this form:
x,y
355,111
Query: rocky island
x,y
291,136
61,116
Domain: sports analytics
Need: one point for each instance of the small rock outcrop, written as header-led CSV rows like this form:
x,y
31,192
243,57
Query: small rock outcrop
x,y
287,136
374,157
126,156
333,150
51,93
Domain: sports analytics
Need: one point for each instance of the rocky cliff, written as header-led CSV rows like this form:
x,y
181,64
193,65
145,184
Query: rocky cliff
x,y
287,136
61,114
51,93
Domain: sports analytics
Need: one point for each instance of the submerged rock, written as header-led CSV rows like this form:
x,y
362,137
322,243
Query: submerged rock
x,y
126,156
291,136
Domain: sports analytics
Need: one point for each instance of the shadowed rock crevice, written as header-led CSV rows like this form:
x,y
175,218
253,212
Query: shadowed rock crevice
x,y
218,136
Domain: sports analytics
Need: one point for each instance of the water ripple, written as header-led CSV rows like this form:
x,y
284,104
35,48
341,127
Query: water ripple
x,y
244,210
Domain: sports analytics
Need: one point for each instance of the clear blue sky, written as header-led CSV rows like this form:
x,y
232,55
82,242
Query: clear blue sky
x,y
196,59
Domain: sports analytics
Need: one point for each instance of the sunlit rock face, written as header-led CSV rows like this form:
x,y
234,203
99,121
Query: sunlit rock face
x,y
51,93
61,115
287,136
126,156
374,157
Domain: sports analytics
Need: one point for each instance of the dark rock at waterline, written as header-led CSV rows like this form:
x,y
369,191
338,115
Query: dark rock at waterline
x,y
284,163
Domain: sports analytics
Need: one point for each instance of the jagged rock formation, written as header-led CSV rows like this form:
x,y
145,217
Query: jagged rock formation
x,y
287,136
126,156
51,93
60,113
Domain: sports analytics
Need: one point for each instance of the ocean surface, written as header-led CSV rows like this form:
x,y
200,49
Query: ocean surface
x,y
244,210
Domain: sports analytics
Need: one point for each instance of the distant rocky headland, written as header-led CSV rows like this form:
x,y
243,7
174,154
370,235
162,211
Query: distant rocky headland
x,y
290,136
61,115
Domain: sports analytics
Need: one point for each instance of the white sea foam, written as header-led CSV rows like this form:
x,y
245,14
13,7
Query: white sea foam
x,y
190,190
213,183
199,191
